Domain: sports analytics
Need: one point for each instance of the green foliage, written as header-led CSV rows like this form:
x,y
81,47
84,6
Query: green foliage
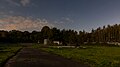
x,y
94,56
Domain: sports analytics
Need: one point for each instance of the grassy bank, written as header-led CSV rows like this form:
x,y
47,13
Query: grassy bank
x,y
94,56
6,51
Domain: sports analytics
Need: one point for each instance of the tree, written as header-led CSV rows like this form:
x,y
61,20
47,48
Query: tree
x,y
15,36
26,37
55,34
46,33
4,36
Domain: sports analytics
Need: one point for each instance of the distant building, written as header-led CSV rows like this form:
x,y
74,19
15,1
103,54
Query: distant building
x,y
56,42
115,43
45,41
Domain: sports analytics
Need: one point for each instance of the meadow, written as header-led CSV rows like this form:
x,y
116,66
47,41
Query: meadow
x,y
7,51
95,56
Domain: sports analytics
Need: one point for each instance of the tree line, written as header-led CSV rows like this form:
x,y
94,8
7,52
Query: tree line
x,y
53,34
67,37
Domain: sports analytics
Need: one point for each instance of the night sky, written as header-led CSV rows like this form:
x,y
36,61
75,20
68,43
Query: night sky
x,y
69,14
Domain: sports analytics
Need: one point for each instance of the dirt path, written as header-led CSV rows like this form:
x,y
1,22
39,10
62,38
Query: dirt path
x,y
31,57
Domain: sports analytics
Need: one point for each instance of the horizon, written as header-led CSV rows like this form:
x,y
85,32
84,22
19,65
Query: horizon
x,y
78,15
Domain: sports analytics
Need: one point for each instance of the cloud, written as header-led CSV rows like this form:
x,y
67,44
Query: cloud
x,y
22,23
2,7
67,19
20,3
11,12
64,20
13,2
25,2
1,13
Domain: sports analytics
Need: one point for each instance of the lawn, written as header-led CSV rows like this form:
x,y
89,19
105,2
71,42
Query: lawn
x,y
93,55
6,51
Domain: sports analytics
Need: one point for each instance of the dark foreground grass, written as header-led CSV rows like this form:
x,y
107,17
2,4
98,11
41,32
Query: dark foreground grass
x,y
93,56
6,52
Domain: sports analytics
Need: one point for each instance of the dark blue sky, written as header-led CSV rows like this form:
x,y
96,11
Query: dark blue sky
x,y
68,14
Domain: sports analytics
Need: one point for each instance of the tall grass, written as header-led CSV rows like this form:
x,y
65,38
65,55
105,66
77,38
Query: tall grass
x,y
6,51
94,56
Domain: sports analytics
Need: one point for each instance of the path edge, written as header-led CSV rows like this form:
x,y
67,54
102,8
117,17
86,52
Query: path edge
x,y
4,63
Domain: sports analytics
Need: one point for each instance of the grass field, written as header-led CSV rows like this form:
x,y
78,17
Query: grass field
x,y
6,51
94,56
